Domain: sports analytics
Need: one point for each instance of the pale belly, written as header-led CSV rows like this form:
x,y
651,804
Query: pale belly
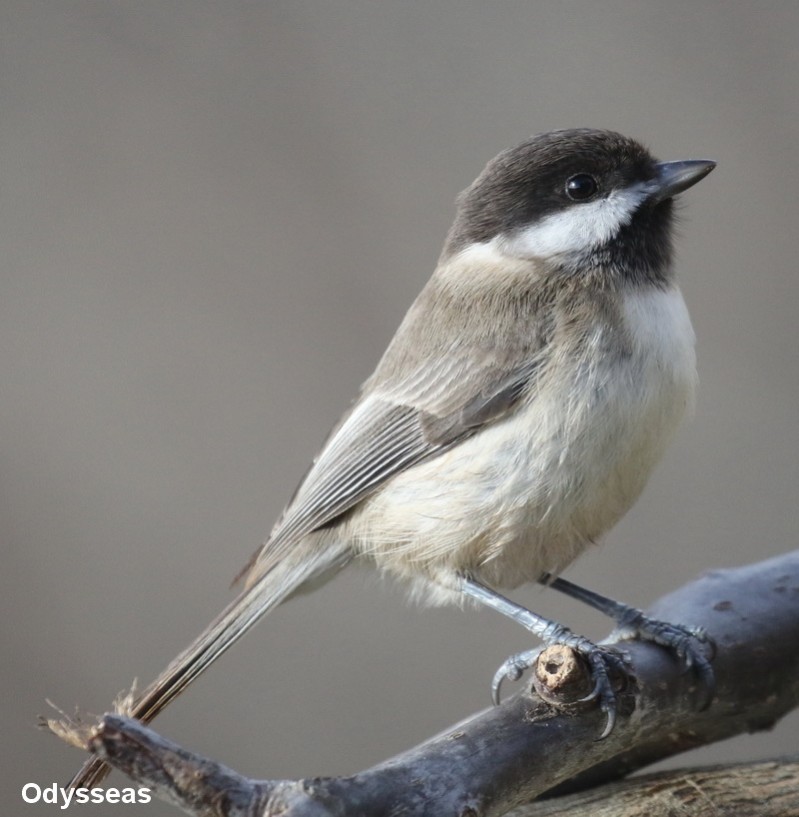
x,y
528,494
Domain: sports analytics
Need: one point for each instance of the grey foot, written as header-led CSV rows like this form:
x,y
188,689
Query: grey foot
x,y
601,662
684,642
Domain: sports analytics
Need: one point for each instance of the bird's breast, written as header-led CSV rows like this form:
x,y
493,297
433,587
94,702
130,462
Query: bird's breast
x,y
526,494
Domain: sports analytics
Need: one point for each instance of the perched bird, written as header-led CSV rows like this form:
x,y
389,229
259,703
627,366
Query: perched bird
x,y
516,414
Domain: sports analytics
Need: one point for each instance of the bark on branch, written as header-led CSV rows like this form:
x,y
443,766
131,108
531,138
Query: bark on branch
x,y
766,788
514,753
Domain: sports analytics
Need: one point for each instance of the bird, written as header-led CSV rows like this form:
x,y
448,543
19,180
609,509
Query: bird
x,y
515,416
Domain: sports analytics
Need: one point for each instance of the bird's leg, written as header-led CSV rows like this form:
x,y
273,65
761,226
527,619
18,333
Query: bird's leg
x,y
681,640
601,661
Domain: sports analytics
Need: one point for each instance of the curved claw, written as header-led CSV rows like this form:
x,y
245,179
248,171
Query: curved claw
x,y
597,690
610,723
603,688
511,669
707,678
703,669
496,687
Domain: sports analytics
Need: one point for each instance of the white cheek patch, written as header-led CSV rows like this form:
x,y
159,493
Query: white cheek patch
x,y
578,228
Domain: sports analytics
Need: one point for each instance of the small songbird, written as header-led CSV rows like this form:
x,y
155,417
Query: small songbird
x,y
515,416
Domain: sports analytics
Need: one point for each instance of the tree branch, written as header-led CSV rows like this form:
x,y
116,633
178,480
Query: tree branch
x,y
513,753
765,788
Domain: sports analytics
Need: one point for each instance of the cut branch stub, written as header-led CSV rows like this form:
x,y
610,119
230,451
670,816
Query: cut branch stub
x,y
562,678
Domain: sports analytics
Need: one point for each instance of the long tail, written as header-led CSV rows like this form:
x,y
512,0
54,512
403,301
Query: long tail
x,y
258,598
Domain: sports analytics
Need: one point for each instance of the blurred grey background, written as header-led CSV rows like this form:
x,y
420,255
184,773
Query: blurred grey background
x,y
214,215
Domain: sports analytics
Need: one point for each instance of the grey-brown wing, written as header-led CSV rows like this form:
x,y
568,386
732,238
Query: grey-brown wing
x,y
380,437
461,359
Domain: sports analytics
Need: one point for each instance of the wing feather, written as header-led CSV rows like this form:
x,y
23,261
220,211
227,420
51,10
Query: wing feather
x,y
376,440
414,407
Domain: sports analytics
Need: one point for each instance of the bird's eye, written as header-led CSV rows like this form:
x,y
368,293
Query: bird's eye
x,y
581,187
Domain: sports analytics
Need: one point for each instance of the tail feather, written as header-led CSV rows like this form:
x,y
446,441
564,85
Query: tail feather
x,y
265,593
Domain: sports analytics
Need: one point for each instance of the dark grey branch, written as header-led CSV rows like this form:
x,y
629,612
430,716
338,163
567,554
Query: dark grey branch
x,y
516,752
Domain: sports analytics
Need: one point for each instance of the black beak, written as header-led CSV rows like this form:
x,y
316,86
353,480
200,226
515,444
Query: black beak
x,y
674,177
